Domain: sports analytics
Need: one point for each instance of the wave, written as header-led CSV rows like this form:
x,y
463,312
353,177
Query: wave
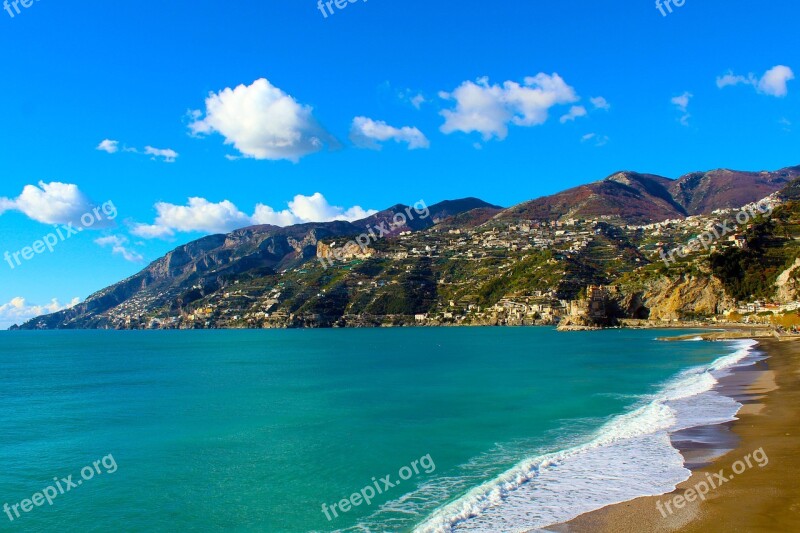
x,y
628,457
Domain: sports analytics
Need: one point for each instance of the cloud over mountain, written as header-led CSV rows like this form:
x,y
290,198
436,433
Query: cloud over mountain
x,y
18,310
202,216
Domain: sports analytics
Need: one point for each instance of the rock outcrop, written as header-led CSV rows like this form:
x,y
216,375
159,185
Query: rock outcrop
x,y
685,297
345,252
787,283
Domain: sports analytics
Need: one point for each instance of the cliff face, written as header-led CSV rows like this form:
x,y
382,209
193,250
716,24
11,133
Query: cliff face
x,y
344,252
683,297
787,283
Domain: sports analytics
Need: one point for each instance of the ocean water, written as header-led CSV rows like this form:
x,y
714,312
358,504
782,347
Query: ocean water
x,y
478,429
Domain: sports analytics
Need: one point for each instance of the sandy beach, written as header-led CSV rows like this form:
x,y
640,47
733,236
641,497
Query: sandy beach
x,y
761,491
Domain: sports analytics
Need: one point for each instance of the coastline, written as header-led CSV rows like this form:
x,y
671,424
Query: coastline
x,y
735,330
763,498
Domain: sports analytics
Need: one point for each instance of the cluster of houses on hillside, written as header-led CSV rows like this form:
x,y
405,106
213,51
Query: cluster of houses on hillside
x,y
504,243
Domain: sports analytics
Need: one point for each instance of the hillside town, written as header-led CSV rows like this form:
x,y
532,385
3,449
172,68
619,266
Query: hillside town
x,y
630,250
502,247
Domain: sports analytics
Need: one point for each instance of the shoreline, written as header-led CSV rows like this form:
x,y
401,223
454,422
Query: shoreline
x,y
735,330
762,499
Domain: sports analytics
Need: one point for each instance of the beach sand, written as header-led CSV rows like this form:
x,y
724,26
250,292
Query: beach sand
x,y
760,499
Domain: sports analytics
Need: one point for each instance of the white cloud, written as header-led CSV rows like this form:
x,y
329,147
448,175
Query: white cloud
x,y
167,155
575,111
599,140
18,311
202,216
730,80
682,104
152,231
772,83
199,215
489,109
315,208
7,204
118,244
49,203
600,103
414,98
367,133
265,214
682,101
112,147
262,122
418,100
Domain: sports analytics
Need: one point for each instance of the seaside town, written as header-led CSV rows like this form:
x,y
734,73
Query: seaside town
x,y
452,276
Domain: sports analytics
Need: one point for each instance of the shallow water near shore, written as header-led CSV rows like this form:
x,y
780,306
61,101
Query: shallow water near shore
x,y
255,430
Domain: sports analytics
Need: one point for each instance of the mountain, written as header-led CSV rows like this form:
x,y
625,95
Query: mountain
x,y
453,208
792,190
420,216
452,257
704,192
202,267
470,219
628,196
644,198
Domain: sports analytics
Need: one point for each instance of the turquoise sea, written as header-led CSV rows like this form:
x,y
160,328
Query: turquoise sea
x,y
485,429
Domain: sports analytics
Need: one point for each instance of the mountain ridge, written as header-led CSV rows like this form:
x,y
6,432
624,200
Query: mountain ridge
x,y
192,273
645,198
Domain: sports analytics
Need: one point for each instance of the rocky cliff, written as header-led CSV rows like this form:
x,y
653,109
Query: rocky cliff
x,y
684,297
788,283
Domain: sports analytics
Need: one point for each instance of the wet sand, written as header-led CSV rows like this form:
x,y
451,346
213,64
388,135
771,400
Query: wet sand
x,y
760,499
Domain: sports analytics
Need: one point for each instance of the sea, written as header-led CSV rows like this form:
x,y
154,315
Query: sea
x,y
355,430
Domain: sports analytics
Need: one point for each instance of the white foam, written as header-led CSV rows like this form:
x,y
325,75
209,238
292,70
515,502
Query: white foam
x,y
629,457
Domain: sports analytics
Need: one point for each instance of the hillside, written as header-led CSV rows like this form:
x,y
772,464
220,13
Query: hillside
x,y
626,196
643,198
466,262
704,192
197,269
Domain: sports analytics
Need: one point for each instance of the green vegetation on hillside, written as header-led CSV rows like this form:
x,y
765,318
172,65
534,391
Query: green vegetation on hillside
x,y
772,247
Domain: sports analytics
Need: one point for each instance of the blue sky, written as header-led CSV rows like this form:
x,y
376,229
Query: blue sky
x,y
250,106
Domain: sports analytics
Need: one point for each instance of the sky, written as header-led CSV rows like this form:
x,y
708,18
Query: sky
x,y
150,124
